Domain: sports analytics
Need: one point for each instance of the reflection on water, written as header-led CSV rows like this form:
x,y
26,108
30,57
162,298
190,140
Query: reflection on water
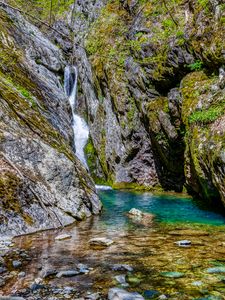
x,y
150,251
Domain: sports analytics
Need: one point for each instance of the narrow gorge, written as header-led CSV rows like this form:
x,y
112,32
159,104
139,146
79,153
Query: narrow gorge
x,y
112,112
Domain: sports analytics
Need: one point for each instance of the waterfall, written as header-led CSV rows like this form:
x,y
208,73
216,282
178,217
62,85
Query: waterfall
x,y
80,128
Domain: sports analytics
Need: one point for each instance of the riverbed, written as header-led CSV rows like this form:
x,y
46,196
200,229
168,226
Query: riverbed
x,y
157,266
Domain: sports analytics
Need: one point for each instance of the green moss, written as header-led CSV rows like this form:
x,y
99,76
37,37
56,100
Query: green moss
x,y
196,66
209,115
136,187
10,186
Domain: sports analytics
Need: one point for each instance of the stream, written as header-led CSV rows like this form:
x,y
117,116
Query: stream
x,y
161,268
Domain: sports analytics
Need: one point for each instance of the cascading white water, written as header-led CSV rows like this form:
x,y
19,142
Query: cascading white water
x,y
80,128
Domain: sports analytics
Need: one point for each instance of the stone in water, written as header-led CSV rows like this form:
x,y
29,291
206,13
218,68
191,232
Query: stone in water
x,y
172,274
101,241
121,294
183,243
63,237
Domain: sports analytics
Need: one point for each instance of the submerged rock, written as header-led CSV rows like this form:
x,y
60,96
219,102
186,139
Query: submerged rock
x,y
122,280
215,270
63,237
68,273
140,217
151,294
183,243
17,264
101,241
172,274
120,294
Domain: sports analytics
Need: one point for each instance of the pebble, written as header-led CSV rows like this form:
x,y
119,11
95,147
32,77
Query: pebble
x,y
121,279
63,237
183,243
94,296
16,264
162,297
172,274
197,283
21,274
101,241
216,270
68,273
121,294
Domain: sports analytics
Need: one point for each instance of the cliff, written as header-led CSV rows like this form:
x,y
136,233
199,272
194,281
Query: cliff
x,y
151,88
42,184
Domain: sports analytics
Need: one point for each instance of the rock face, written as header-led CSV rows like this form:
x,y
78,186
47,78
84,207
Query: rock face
x,y
151,86
139,64
42,184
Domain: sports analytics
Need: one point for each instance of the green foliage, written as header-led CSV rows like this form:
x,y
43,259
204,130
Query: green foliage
x,y
203,3
208,115
41,8
196,66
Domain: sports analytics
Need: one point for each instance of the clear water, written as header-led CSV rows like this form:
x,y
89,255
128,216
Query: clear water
x,y
166,208
150,250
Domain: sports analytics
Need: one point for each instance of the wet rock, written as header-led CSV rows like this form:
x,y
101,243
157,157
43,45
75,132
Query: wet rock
x,y
122,267
183,243
63,237
68,273
120,294
121,279
21,274
215,270
162,297
93,296
17,264
101,241
140,217
172,274
83,268
151,294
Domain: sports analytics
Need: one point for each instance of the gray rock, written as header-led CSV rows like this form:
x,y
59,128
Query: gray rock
x,y
121,294
21,274
17,264
36,148
68,273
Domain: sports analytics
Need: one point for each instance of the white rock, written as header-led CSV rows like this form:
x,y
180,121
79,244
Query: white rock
x,y
63,237
183,243
136,212
121,294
